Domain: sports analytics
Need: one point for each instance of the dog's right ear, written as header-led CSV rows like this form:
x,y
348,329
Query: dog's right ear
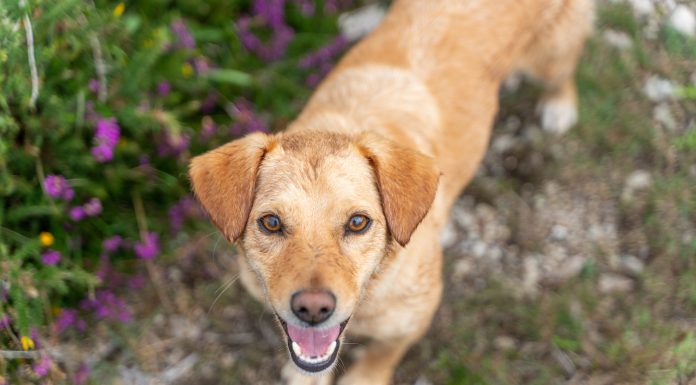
x,y
223,180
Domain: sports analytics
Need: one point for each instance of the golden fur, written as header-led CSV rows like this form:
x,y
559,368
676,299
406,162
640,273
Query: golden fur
x,y
394,132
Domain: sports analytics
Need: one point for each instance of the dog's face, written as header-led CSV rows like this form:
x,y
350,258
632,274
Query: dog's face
x,y
315,214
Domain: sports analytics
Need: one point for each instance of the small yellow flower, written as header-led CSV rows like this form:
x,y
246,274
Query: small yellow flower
x,y
186,70
27,343
46,238
118,11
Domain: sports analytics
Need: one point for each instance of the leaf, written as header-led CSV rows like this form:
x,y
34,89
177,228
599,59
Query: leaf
x,y
230,76
21,213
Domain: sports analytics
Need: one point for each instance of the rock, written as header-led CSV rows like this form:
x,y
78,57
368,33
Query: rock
x,y
422,380
448,235
505,343
663,115
532,274
569,269
614,283
461,269
683,20
636,181
559,233
356,24
631,264
642,7
617,39
658,89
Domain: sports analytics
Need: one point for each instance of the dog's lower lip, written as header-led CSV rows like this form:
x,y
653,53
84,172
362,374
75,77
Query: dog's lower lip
x,y
312,367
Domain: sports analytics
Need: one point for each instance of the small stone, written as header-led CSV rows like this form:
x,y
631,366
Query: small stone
x,y
663,115
638,180
505,343
461,269
559,232
422,380
658,89
356,24
642,7
532,274
631,264
683,20
614,283
503,143
569,269
448,235
617,39
479,249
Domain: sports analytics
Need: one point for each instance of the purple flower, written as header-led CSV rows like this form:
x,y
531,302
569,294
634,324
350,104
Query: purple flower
x,y
208,127
106,305
94,85
164,88
81,375
246,120
106,137
56,186
325,54
77,213
112,244
93,207
172,144
5,321
68,318
268,14
201,65
42,367
50,257
181,210
184,39
306,6
209,103
148,248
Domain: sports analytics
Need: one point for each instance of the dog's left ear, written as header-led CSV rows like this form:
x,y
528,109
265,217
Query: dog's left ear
x,y
407,182
223,180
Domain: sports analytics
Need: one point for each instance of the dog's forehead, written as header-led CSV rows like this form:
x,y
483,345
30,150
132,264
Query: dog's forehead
x,y
321,166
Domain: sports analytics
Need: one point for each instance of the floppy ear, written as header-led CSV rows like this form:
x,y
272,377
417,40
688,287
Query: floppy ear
x,y
407,182
223,180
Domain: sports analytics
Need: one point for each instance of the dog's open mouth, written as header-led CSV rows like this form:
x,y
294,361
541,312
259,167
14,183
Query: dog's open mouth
x,y
313,349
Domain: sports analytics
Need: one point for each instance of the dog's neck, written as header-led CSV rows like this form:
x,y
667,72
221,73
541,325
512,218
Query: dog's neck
x,y
387,100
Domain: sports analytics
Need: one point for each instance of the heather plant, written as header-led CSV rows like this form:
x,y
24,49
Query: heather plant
x,y
101,106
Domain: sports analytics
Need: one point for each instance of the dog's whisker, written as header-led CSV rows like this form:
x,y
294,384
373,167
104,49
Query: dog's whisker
x,y
224,289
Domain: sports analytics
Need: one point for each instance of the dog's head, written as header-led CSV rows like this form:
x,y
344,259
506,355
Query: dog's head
x,y
315,213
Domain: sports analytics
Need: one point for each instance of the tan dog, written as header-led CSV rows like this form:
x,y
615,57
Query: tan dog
x,y
338,217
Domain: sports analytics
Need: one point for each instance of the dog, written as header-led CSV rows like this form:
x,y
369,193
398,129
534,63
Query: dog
x,y
337,219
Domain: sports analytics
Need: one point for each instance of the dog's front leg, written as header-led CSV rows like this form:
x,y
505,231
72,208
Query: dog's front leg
x,y
377,363
291,376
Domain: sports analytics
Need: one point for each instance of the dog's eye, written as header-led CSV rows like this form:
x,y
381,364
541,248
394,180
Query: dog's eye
x,y
358,224
271,224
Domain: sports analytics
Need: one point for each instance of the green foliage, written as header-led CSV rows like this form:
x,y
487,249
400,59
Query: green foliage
x,y
123,61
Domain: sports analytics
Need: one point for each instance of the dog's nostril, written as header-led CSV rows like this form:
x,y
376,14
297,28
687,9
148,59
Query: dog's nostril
x,y
313,306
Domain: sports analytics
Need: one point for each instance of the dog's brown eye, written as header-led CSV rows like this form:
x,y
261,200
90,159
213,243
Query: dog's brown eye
x,y
270,224
358,224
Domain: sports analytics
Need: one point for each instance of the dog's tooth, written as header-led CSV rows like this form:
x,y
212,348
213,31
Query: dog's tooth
x,y
296,348
331,349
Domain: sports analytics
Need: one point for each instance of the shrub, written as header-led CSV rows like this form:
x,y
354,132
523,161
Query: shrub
x,y
99,115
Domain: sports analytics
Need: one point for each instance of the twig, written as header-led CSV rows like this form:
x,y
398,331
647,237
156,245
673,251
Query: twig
x,y
99,66
32,59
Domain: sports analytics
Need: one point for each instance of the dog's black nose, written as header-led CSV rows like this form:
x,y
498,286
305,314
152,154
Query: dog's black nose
x,y
313,306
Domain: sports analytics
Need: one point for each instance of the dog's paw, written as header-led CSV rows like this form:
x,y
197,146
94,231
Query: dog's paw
x,y
558,115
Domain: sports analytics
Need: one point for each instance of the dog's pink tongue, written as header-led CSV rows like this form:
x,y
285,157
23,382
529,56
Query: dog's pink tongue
x,y
314,342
